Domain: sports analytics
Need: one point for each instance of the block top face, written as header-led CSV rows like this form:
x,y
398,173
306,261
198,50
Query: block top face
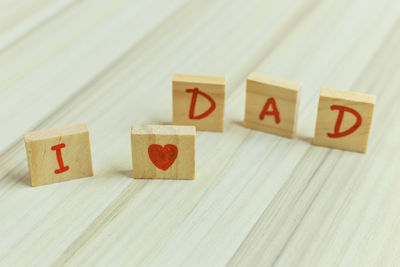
x,y
55,132
163,130
183,78
348,96
274,82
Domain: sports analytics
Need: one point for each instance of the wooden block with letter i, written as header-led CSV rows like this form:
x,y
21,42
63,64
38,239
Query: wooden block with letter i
x,y
271,105
344,120
199,101
163,151
59,154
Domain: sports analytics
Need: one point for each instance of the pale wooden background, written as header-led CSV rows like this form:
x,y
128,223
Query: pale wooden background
x,y
258,199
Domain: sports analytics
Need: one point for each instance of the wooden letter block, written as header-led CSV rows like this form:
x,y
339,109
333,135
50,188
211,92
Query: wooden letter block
x,y
271,105
199,101
60,154
163,151
344,120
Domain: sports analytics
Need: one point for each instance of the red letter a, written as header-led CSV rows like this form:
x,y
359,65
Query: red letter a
x,y
195,92
275,112
339,121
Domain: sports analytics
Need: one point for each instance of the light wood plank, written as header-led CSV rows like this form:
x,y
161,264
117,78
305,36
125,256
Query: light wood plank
x,y
21,17
257,198
293,206
50,65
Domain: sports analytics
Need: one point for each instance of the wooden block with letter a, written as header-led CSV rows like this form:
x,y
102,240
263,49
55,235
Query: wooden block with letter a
x,y
59,154
163,151
199,101
271,105
344,120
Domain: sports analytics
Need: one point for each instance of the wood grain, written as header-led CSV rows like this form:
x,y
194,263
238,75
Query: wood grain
x,y
258,199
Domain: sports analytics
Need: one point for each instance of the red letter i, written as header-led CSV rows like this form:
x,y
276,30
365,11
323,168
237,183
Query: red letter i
x,y
62,168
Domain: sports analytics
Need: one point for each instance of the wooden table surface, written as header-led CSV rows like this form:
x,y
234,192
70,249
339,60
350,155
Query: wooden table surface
x,y
258,199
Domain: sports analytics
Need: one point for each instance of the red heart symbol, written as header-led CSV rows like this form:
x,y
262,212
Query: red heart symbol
x,y
163,157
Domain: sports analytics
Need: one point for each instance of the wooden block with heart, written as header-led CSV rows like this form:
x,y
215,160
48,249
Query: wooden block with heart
x,y
199,101
58,154
163,151
344,120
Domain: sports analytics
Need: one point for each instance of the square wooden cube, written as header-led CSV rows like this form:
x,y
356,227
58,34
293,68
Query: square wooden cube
x,y
344,120
59,154
271,105
199,101
163,151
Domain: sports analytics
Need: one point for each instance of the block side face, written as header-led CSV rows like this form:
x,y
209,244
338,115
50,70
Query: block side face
x,y
30,161
56,132
183,167
182,101
257,95
274,82
163,129
296,115
43,161
327,118
348,96
272,91
89,158
199,79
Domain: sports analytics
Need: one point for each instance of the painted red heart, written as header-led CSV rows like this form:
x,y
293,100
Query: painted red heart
x,y
163,156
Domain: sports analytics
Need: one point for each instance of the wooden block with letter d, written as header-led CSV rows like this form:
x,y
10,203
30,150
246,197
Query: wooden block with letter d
x,y
59,154
271,105
163,151
344,120
199,101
